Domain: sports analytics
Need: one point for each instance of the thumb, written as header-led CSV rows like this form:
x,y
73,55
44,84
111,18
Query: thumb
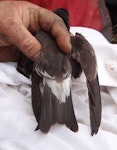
x,y
24,40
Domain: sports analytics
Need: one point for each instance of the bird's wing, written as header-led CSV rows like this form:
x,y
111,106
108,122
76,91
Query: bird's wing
x,y
83,53
25,66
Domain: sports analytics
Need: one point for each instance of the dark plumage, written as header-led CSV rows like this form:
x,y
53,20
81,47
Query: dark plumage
x,y
51,80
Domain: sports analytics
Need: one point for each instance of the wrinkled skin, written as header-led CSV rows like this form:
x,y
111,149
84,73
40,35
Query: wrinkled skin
x,y
19,21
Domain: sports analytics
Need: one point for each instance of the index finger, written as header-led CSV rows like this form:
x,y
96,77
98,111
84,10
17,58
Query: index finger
x,y
53,23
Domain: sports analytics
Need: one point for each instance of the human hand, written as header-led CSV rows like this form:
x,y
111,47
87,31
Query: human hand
x,y
18,19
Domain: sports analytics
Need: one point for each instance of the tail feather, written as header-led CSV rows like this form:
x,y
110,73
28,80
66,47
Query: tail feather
x,y
70,116
47,114
59,110
55,111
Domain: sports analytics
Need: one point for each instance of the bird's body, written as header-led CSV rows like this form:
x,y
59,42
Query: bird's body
x,y
52,77
54,69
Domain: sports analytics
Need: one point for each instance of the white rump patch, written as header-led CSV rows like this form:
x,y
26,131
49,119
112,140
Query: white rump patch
x,y
60,89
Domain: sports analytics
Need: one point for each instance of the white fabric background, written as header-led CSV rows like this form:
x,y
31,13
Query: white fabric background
x,y
17,122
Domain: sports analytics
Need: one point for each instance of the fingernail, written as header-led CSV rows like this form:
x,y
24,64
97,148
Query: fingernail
x,y
68,46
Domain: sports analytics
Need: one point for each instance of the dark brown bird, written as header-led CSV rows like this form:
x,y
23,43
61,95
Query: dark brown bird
x,y
52,76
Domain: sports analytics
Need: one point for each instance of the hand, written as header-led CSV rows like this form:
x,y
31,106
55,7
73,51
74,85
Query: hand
x,y
18,19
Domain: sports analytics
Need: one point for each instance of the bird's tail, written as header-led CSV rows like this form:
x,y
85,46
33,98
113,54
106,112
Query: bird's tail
x,y
56,111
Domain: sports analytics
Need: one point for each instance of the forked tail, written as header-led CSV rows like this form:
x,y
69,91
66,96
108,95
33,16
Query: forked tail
x,y
54,111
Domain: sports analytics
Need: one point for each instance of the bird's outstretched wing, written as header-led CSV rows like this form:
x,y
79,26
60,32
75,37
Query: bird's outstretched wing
x,y
83,54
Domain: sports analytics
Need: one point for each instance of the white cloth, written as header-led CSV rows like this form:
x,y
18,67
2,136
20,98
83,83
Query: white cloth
x,y
17,121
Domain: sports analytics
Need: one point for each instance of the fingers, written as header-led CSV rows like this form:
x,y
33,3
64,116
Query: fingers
x,y
24,17
9,53
38,18
13,28
24,40
54,24
62,36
